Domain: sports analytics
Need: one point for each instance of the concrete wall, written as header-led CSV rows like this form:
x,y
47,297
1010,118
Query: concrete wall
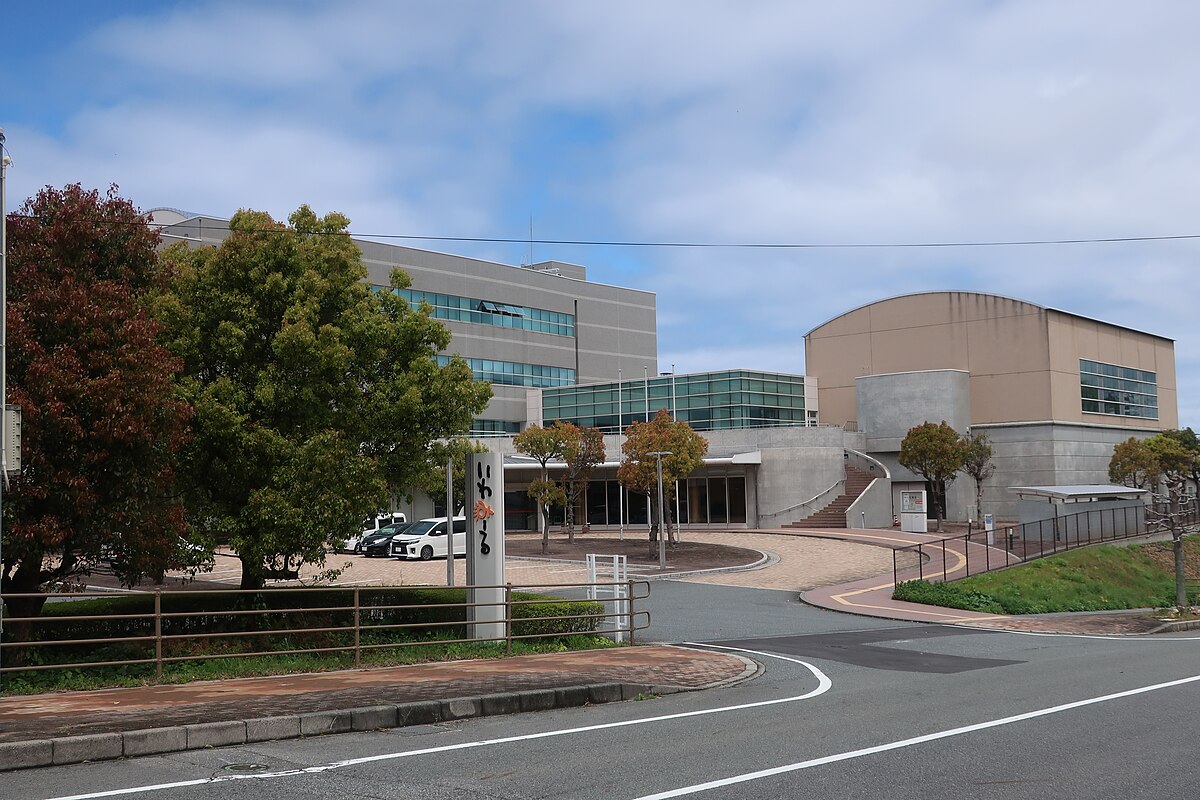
x,y
875,503
1047,454
797,463
888,406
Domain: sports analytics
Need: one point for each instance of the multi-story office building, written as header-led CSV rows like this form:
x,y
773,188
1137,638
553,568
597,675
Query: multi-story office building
x,y
537,326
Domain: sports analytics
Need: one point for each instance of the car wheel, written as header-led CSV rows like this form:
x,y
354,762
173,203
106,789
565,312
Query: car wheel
x,y
426,553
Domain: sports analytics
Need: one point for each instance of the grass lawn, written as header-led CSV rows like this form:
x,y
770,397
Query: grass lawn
x,y
1097,578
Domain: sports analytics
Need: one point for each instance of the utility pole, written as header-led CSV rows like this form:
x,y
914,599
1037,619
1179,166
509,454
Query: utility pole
x,y
5,161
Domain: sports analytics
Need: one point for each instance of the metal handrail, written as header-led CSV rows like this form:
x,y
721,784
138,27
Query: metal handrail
x,y
628,620
1060,542
811,502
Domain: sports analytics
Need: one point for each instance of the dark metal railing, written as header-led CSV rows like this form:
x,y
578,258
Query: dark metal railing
x,y
979,551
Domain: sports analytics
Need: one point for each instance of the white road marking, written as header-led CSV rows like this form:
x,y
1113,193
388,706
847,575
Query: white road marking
x,y
823,686
931,737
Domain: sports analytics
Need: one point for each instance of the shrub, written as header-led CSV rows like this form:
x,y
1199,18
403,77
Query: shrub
x,y
947,595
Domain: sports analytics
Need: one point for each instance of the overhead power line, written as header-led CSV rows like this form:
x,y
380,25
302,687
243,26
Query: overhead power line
x,y
730,245
779,245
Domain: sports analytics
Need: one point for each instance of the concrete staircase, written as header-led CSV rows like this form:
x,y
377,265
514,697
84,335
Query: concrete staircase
x,y
834,514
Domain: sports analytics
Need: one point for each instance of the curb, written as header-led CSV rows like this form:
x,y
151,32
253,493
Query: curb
x,y
106,746
764,560
1182,625
199,736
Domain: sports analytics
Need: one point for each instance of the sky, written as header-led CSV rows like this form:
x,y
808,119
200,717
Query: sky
x,y
793,122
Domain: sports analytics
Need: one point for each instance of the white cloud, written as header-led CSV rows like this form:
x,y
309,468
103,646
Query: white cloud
x,y
704,121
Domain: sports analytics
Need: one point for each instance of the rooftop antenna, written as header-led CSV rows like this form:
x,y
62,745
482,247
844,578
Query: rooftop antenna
x,y
531,240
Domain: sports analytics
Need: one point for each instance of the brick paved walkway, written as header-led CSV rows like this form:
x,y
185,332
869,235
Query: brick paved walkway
x,y
119,710
796,562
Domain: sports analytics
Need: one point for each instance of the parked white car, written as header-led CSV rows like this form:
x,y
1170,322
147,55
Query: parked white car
x,y
427,539
371,525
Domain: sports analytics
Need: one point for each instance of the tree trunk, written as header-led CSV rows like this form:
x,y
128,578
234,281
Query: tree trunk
x,y
543,514
253,575
571,514
653,550
938,505
1180,577
20,631
26,579
671,530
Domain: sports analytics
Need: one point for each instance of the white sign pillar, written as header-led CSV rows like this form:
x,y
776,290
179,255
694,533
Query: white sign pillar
x,y
485,545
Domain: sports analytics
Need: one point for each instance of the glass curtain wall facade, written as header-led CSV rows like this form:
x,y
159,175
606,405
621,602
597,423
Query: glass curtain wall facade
x,y
716,498
708,401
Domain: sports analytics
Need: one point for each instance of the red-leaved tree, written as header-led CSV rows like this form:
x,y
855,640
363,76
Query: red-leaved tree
x,y
100,421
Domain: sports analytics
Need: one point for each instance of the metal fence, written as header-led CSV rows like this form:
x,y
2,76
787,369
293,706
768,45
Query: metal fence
x,y
984,551
165,627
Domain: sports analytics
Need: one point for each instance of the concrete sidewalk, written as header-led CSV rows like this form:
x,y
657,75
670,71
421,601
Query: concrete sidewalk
x,y
71,727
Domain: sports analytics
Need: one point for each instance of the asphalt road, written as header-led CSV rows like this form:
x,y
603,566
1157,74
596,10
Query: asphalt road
x,y
847,708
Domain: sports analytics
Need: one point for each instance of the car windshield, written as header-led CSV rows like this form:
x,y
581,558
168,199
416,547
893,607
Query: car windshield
x,y
423,527
391,530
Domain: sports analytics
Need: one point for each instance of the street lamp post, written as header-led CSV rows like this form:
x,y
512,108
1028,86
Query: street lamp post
x,y
662,539
620,442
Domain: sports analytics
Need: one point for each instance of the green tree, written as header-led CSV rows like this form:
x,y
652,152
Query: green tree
x,y
638,472
1188,440
936,453
434,481
315,396
583,451
1133,464
101,426
977,463
1163,464
544,445
1173,509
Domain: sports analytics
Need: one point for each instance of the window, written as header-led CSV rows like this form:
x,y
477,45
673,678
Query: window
x,y
489,312
1121,391
509,373
706,401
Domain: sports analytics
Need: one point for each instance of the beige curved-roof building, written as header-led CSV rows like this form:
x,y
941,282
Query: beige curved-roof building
x,y
1052,389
